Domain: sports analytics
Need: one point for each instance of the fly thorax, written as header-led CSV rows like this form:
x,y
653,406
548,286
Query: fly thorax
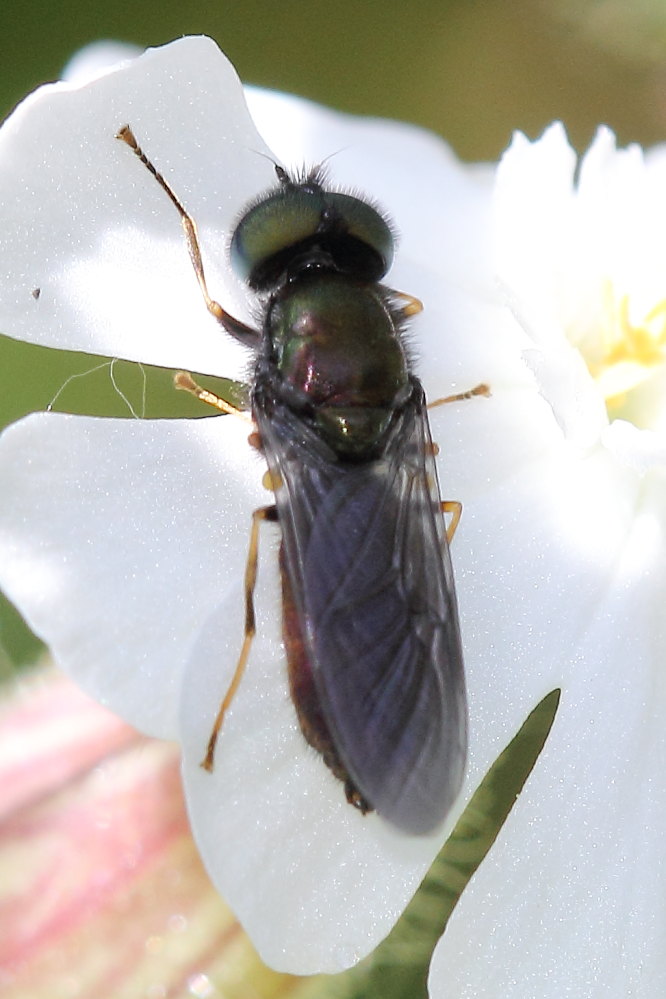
x,y
336,346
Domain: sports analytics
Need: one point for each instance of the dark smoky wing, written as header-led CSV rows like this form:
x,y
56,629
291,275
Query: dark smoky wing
x,y
367,554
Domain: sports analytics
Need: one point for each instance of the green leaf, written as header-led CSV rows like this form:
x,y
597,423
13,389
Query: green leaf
x,y
398,968
36,378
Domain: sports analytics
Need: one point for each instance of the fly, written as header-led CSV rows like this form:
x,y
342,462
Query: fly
x,y
369,614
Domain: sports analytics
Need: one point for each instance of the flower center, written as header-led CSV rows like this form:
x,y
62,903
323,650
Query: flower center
x,y
627,355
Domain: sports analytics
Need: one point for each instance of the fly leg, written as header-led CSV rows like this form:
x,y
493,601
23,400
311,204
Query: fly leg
x,y
412,305
238,329
481,389
184,381
268,513
454,507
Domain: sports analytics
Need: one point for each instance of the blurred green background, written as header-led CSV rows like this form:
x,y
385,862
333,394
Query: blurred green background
x,y
472,71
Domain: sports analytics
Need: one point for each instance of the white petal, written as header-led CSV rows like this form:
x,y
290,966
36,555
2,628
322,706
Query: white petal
x,y
621,212
570,901
544,264
642,450
117,538
85,223
533,209
316,884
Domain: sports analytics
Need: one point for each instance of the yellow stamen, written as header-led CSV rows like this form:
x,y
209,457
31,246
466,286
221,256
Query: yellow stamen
x,y
630,353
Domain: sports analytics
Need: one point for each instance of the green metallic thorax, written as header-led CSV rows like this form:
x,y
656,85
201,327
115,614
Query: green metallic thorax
x,y
335,343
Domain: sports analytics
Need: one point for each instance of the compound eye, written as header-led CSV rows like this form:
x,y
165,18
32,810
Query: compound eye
x,y
365,224
269,228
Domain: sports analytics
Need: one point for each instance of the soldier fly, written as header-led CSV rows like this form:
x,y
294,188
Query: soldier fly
x,y
370,622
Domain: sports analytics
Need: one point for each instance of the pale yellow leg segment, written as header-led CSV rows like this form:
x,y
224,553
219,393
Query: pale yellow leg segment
x,y
482,389
264,513
234,326
454,507
412,305
184,381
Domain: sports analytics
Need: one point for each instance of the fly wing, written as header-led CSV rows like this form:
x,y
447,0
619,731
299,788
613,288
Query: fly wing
x,y
368,561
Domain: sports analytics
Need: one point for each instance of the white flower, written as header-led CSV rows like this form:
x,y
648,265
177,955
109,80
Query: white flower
x,y
124,541
570,901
